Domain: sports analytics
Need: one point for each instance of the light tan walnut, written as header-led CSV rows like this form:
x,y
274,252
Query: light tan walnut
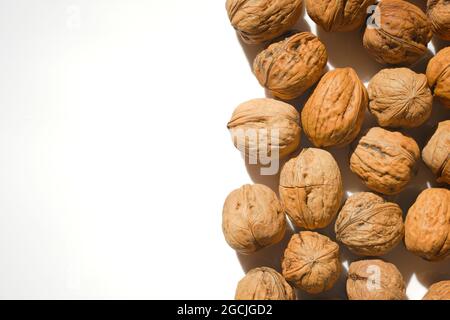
x,y
264,284
265,128
438,12
311,188
438,291
385,160
289,67
253,218
438,74
257,21
334,113
334,15
311,262
368,225
375,280
400,98
436,153
427,225
402,36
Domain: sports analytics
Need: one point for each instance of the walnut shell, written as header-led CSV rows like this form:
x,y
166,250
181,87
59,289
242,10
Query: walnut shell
x,y
385,160
427,225
402,36
438,291
368,225
436,153
400,98
255,124
264,284
438,74
311,188
438,12
257,21
334,15
334,113
253,218
289,67
375,280
311,262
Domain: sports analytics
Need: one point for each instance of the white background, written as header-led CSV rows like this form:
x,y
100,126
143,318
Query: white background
x,y
115,158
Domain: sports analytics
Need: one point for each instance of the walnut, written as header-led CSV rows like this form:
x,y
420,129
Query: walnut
x,y
400,98
311,188
427,225
253,218
368,225
264,284
438,12
385,160
375,280
438,74
257,21
334,113
311,262
289,67
402,34
334,15
436,153
438,291
265,127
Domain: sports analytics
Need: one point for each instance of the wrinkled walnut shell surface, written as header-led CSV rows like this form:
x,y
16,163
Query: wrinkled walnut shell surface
x,y
253,218
438,291
289,67
438,74
311,262
438,12
264,284
436,153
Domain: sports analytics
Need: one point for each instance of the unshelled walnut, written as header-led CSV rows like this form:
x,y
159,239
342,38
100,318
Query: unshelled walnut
x,y
368,225
375,280
334,113
311,188
289,67
427,225
436,153
402,35
438,74
264,284
311,262
265,127
334,15
253,218
438,291
257,21
438,12
400,98
385,160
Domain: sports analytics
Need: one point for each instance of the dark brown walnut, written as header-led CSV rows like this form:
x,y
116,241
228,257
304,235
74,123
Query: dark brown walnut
x,y
385,160
402,36
438,74
257,21
438,291
265,127
334,15
400,98
427,225
311,262
375,280
368,225
289,67
253,218
264,284
438,12
334,113
436,153
311,188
